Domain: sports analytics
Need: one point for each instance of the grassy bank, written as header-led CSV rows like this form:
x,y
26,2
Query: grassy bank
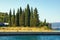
x,y
24,29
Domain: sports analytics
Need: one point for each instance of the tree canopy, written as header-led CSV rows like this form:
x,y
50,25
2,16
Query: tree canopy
x,y
25,17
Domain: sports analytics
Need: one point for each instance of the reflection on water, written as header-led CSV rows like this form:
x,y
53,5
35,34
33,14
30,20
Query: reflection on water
x,y
31,37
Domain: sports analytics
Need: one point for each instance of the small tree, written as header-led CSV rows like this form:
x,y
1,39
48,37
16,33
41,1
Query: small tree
x,y
44,22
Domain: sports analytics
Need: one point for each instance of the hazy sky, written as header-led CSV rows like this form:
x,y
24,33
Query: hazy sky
x,y
47,9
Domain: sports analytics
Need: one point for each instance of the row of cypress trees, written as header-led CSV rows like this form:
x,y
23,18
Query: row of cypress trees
x,y
27,17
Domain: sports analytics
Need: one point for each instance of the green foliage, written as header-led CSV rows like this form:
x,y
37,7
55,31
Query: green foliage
x,y
13,16
20,11
31,18
6,17
28,14
20,17
36,18
26,17
10,15
41,24
26,22
3,17
17,18
44,22
48,25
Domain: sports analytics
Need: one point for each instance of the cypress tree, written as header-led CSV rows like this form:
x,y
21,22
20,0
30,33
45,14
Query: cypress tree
x,y
20,16
14,17
26,20
17,18
31,17
20,10
10,15
44,22
23,19
36,18
28,15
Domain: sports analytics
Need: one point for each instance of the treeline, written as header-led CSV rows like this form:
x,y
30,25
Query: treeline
x,y
26,17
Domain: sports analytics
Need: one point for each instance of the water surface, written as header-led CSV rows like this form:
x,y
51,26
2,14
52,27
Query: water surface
x,y
31,37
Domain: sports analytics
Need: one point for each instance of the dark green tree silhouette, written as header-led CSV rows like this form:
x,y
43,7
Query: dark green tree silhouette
x,y
31,17
44,22
14,17
20,10
6,18
10,15
26,22
20,16
28,15
17,18
23,19
36,18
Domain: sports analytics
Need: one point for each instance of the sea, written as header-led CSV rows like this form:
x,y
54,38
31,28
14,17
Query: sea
x,y
55,26
31,37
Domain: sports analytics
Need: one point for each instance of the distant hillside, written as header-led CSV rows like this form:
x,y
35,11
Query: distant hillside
x,y
3,17
56,25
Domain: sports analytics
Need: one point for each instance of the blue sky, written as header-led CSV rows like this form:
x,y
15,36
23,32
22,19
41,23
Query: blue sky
x,y
47,9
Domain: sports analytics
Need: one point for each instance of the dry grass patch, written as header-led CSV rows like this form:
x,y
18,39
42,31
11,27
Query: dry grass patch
x,y
24,29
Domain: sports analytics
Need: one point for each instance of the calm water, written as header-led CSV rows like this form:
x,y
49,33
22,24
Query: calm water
x,y
56,25
31,37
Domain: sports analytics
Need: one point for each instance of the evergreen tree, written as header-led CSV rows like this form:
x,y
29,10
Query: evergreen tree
x,y
36,18
14,17
31,17
20,10
20,16
10,15
23,19
6,18
28,15
17,18
44,22
26,22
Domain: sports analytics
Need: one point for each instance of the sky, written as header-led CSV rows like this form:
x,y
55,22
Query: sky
x,y
47,9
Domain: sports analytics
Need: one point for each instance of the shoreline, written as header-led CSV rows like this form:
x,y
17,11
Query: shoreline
x,y
24,29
